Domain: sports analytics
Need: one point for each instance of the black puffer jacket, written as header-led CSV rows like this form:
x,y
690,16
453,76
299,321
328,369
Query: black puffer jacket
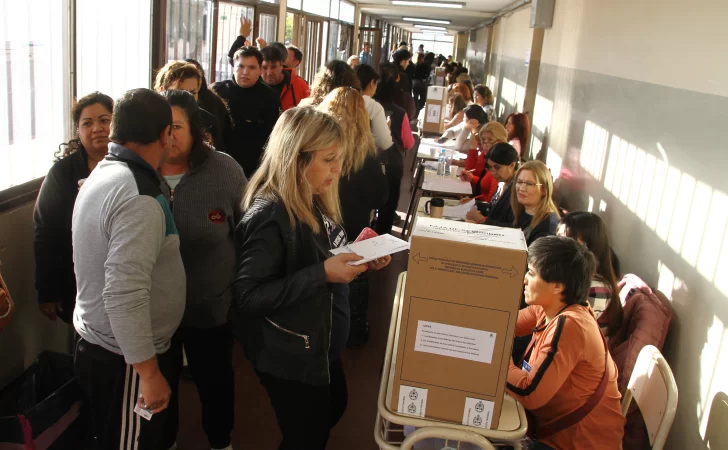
x,y
281,309
55,279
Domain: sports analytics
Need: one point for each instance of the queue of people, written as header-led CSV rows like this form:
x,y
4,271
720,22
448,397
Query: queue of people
x,y
190,217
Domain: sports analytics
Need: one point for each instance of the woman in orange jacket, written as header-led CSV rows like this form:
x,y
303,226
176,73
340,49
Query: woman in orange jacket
x,y
567,380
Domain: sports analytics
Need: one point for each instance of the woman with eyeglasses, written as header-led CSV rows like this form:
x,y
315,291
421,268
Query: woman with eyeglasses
x,y
533,207
476,171
502,164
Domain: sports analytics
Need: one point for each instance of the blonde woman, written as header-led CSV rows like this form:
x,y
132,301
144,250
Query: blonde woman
x,y
531,200
289,291
363,188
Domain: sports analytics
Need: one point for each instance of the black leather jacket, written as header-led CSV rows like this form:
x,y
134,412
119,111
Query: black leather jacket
x,y
281,309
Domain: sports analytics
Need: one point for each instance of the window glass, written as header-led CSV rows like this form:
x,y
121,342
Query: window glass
x,y
228,26
334,14
319,7
290,18
346,12
33,109
189,31
268,27
294,4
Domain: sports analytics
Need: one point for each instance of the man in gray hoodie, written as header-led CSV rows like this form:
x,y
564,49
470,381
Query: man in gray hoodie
x,y
131,280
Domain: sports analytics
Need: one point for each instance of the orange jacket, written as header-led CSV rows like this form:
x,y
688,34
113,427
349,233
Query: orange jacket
x,y
294,90
566,366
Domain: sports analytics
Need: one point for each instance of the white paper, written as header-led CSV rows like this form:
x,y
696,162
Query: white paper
x,y
412,401
471,233
478,413
459,211
436,93
374,248
456,342
448,185
433,113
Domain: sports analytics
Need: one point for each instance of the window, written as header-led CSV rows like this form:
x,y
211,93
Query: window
x,y
346,12
318,7
439,44
228,26
113,58
294,4
334,14
290,19
34,107
268,27
189,31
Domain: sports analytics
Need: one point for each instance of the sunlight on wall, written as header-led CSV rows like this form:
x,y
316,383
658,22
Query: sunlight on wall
x,y
593,151
508,92
713,367
554,162
543,110
491,83
590,208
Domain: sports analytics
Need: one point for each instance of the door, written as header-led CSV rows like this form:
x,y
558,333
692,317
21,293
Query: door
x,y
228,26
373,36
313,45
266,23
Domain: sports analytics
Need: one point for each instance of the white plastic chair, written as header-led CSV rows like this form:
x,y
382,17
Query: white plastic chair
x,y
653,387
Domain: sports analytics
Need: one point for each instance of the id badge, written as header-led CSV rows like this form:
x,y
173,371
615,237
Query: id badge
x,y
526,367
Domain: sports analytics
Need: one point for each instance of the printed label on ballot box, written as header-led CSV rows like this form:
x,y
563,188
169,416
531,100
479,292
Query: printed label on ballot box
x,y
456,342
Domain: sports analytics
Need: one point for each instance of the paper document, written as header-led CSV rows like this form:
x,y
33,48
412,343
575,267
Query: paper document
x,y
371,249
456,342
459,211
433,113
435,183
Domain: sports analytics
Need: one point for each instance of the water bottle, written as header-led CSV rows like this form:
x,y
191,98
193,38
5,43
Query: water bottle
x,y
442,163
448,162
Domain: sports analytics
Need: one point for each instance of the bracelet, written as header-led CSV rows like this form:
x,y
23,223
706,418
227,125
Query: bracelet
x,y
10,307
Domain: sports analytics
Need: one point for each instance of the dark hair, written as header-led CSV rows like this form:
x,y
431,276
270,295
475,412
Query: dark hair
x,y
246,52
504,154
558,259
281,49
208,99
367,44
82,103
484,92
476,112
366,75
272,54
200,148
401,55
430,58
387,87
140,116
402,43
203,83
590,229
297,53
522,128
331,76
458,103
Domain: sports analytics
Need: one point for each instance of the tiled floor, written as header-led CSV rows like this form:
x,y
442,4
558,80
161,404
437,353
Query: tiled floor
x,y
255,424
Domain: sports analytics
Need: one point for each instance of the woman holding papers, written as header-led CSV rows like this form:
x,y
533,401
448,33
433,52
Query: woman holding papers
x,y
363,188
289,287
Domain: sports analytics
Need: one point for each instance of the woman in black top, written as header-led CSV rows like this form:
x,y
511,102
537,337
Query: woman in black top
x,y
533,207
288,286
503,164
55,279
363,188
421,77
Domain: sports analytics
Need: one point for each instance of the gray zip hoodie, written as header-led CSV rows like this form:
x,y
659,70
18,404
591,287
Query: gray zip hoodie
x,y
206,207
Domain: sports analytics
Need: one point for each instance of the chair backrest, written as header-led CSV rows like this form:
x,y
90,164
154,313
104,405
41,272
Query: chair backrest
x,y
716,435
653,387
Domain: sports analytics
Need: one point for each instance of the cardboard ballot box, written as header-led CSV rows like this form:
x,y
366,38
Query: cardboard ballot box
x,y
440,76
463,292
435,106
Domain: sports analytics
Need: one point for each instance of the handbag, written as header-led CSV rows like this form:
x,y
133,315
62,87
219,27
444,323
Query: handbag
x,y
538,431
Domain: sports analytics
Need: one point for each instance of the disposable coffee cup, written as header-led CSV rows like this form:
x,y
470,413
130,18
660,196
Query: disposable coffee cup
x,y
454,171
433,152
435,207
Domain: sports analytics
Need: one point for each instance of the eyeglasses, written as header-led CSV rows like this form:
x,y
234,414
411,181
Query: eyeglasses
x,y
527,184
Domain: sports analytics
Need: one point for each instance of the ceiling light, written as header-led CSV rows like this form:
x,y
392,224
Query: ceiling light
x,y
441,33
430,27
427,4
415,19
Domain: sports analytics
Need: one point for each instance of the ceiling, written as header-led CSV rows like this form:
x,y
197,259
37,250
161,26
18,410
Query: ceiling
x,y
474,12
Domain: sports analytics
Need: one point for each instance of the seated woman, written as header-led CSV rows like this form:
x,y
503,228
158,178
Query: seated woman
x,y
186,77
590,230
484,98
466,132
519,128
290,295
502,165
456,106
476,171
55,279
567,381
533,207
